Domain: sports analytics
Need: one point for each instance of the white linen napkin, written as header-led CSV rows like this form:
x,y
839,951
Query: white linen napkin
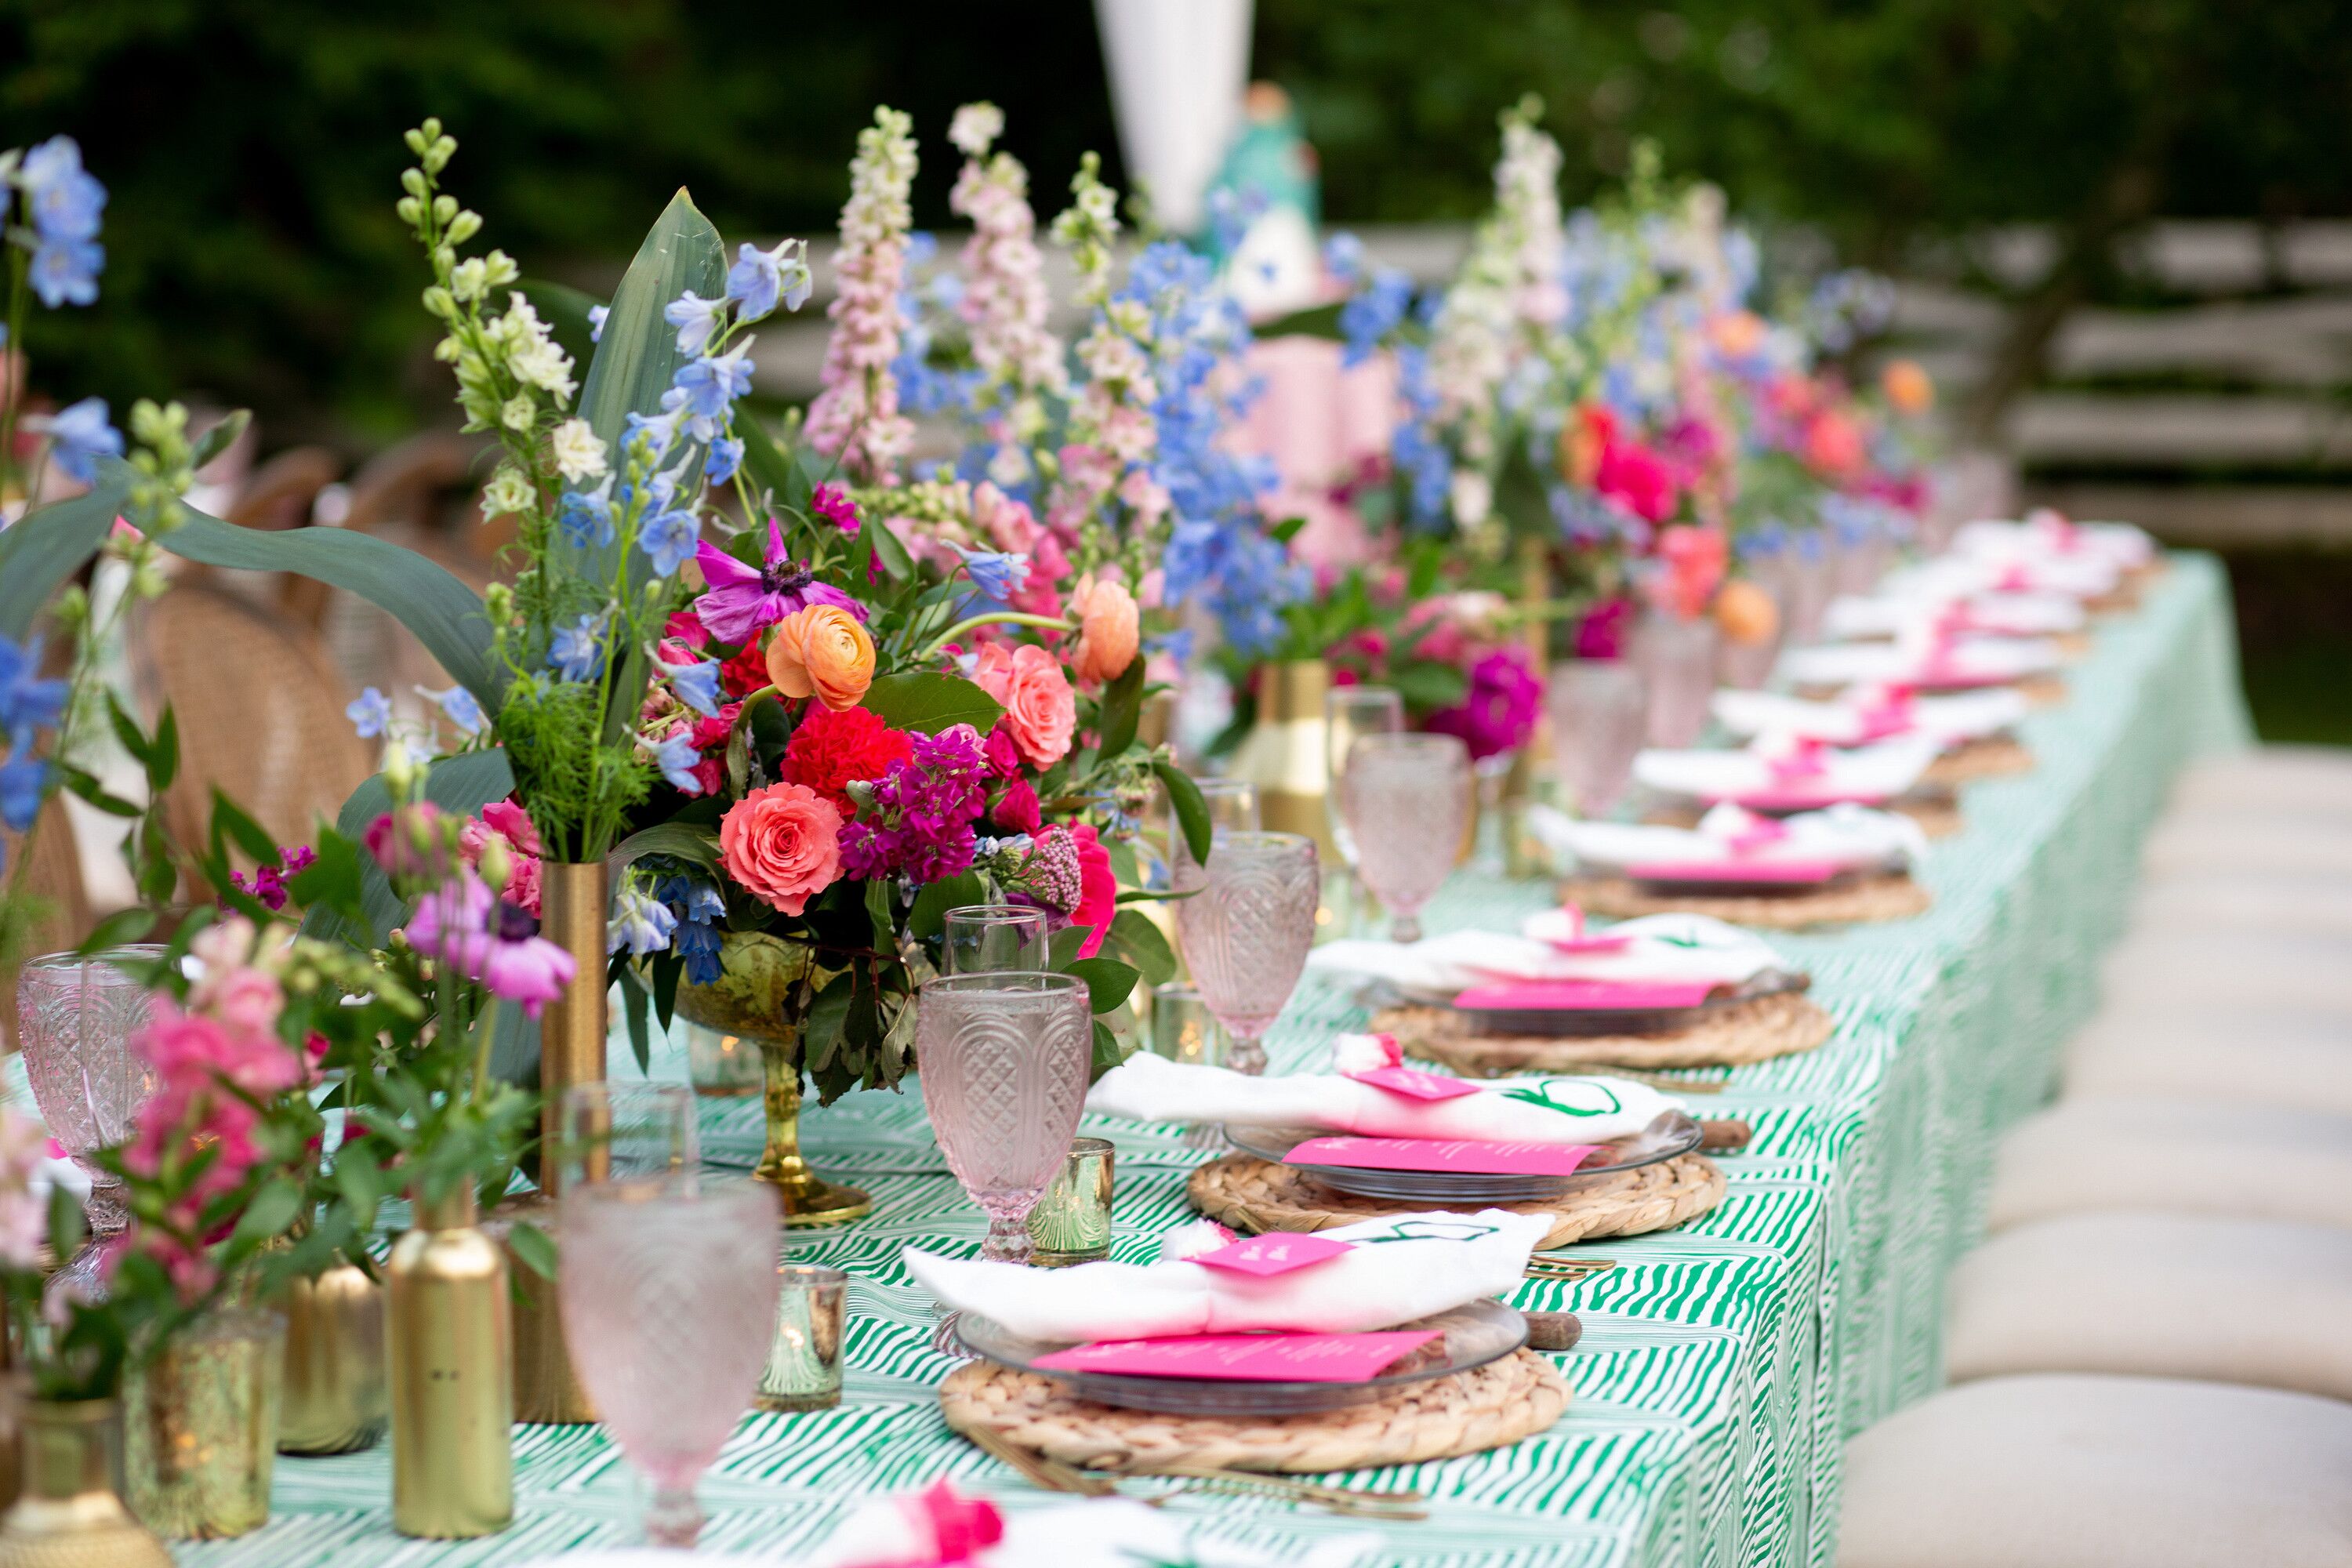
x,y
1998,614
2045,536
1784,766
1948,577
1853,835
943,1527
1403,1266
1972,658
1553,1110
1865,713
1440,965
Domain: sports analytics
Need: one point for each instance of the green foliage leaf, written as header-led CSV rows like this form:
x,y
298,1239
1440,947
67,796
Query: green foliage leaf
x,y
232,824
634,1004
934,900
1062,947
44,548
272,1210
638,355
1191,811
461,785
929,702
1134,939
1110,982
1108,1051
444,614
220,438
1427,685
333,880
121,926
1121,710
677,840
534,1248
86,785
163,763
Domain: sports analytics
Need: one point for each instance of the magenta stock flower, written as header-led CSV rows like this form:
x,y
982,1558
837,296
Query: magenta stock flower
x,y
1499,713
490,940
743,600
921,826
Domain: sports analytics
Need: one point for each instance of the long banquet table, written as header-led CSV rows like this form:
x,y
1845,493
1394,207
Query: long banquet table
x,y
1723,1363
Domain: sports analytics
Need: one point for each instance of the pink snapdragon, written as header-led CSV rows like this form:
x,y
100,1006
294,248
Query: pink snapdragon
x,y
855,417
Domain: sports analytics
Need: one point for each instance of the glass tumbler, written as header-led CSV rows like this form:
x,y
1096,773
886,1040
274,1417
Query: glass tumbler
x,y
979,939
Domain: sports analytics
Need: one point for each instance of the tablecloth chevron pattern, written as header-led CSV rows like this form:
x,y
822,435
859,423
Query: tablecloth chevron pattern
x,y
1722,1364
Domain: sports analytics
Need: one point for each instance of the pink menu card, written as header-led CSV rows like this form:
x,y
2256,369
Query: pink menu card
x,y
1463,1156
1269,1254
1785,797
1414,1083
1584,995
1245,1358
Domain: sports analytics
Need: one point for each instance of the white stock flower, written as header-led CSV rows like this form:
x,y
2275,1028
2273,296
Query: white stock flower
x,y
579,454
975,127
507,492
519,412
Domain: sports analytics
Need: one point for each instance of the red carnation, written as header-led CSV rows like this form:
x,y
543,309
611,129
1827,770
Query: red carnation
x,y
746,672
830,749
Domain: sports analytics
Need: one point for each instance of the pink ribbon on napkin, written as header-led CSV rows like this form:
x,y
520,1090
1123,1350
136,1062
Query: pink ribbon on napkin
x,y
1803,762
1891,713
961,1526
1757,837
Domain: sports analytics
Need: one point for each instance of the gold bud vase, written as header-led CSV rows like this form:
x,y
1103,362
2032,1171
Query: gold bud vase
x,y
333,1401
1283,755
200,1427
69,1512
448,1343
574,898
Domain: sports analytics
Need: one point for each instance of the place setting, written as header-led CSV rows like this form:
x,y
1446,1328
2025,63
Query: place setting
x,y
1975,732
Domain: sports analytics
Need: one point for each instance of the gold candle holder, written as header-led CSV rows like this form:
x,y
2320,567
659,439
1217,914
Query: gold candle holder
x,y
200,1427
449,1341
70,1509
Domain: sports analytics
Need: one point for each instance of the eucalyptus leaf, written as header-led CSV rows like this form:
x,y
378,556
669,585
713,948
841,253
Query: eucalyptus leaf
x,y
44,548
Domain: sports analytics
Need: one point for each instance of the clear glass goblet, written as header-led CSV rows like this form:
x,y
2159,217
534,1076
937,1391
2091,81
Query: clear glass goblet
x,y
981,939
609,1131
1597,710
1004,1059
1350,712
75,1016
668,1295
1246,930
1677,658
1408,801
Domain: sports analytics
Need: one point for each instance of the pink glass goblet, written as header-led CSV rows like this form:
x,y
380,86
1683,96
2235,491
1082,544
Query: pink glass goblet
x,y
1004,1058
1246,931
75,1016
1599,709
1408,801
1677,659
668,1295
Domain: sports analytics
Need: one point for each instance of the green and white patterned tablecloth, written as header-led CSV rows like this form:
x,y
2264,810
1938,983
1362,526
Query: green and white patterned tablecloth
x,y
1722,1364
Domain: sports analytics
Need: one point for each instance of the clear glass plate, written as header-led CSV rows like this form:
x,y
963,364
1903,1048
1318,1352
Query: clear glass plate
x,y
1671,1134
1472,1335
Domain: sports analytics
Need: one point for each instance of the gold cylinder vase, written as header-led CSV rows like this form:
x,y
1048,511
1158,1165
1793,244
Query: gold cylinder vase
x,y
574,900
546,1389
69,1512
333,1401
1283,755
761,980
200,1427
448,1345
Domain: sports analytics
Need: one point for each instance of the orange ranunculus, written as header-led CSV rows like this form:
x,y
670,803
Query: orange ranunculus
x,y
822,651
1746,613
1109,631
1907,386
783,845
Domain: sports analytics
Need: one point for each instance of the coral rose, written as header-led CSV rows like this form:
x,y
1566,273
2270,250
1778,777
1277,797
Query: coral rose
x,y
783,844
1109,634
822,651
1041,712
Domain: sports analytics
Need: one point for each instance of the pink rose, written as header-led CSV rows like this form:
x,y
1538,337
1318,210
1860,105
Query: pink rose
x,y
1098,888
781,843
1040,709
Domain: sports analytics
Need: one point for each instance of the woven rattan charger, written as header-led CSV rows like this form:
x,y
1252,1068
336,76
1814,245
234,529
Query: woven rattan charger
x,y
1987,757
1886,896
1756,1030
1489,1406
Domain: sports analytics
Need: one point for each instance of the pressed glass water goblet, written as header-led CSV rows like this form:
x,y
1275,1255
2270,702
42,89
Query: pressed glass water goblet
x,y
669,1294
1408,799
979,939
1599,709
1676,655
1246,930
626,1132
75,1016
1350,712
1004,1059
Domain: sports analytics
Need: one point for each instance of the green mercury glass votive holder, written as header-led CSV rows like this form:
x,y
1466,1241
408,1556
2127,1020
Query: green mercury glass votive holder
x,y
1071,1223
804,1370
